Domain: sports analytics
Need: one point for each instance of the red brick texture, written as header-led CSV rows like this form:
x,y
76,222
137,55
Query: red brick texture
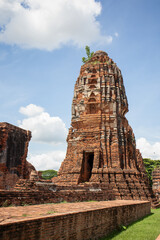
x,y
13,152
78,221
156,182
40,193
101,143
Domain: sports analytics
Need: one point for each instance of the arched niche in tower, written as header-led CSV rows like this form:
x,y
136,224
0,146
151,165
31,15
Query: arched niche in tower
x,y
91,100
92,86
94,70
92,108
92,94
92,81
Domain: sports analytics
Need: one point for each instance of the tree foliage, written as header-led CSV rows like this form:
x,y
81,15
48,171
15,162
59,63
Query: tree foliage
x,y
89,54
48,174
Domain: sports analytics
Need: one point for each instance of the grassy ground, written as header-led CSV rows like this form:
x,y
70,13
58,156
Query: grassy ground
x,y
147,228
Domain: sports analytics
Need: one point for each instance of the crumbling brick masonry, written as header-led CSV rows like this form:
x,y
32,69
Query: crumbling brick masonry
x,y
13,152
101,143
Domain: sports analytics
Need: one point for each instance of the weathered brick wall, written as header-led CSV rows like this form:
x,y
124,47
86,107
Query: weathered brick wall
x,y
30,192
156,182
13,152
48,196
82,225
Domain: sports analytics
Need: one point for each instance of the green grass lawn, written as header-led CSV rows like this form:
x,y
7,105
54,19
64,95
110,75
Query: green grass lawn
x,y
147,228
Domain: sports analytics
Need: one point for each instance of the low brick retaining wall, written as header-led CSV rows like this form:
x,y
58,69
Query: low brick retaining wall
x,y
22,198
56,194
79,223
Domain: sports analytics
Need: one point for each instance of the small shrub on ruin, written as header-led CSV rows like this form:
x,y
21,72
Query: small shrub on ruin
x,y
89,54
51,212
24,215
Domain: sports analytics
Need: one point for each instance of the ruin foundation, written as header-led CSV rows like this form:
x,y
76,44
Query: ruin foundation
x,y
82,221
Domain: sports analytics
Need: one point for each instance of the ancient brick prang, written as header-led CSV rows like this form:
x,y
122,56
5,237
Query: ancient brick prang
x,y
101,144
156,182
13,152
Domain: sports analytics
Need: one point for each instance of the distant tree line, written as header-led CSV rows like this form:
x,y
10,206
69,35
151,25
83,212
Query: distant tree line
x,y
48,174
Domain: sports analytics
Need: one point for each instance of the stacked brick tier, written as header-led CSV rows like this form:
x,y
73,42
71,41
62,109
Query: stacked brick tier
x,y
156,182
13,152
89,220
101,144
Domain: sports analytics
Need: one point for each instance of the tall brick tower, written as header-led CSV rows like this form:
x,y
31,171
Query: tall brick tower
x,y
100,137
101,144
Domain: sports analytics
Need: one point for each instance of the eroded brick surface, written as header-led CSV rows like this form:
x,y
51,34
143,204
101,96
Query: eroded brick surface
x,y
13,152
101,143
156,182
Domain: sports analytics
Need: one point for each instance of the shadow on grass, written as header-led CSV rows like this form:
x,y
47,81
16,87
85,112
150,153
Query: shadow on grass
x,y
118,231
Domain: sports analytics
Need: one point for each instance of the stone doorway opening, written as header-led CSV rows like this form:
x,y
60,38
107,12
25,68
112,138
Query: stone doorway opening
x,y
87,165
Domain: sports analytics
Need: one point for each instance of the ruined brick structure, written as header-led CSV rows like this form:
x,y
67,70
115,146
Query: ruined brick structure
x,y
13,152
101,143
156,182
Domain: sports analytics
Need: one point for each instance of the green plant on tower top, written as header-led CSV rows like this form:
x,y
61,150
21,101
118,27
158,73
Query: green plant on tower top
x,y
89,55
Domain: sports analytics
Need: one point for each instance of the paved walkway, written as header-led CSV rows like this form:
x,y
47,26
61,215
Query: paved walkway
x,y
14,214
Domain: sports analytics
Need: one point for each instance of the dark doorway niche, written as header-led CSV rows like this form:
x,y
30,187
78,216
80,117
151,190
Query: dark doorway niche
x,y
87,165
92,108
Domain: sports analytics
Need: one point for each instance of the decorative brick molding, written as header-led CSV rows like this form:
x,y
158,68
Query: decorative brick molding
x,y
156,182
101,143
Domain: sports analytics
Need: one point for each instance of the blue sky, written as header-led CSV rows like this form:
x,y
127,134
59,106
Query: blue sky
x,y
41,46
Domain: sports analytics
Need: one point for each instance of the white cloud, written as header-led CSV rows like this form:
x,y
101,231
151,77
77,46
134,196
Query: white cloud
x,y
31,110
50,160
44,128
149,150
50,24
116,34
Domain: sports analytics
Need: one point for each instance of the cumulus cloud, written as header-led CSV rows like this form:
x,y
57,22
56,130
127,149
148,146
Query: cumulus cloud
x,y
50,160
149,150
44,128
31,110
50,24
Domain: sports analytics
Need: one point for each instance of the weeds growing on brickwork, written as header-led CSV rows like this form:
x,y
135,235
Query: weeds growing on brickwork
x,y
5,204
25,204
91,201
64,202
147,228
51,212
25,215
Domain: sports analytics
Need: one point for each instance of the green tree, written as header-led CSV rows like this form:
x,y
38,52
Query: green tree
x,y
89,54
48,174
